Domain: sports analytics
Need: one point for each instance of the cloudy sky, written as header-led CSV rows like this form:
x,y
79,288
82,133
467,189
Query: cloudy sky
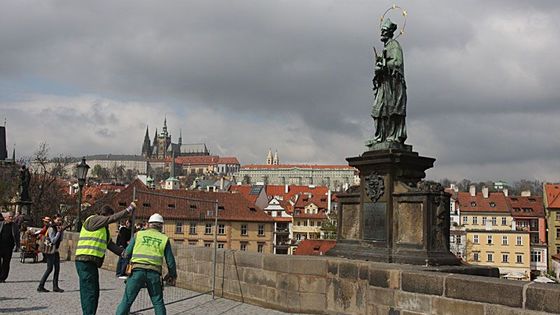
x,y
244,76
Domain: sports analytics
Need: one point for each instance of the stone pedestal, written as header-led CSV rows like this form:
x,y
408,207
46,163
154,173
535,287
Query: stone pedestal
x,y
394,216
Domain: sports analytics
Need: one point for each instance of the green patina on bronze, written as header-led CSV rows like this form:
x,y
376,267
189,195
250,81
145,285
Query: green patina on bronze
x,y
389,85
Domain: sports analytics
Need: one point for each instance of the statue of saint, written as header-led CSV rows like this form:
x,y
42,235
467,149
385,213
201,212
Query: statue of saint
x,y
389,106
25,178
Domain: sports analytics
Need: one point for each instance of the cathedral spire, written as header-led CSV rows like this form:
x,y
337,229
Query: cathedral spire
x,y
275,161
269,157
180,137
146,145
165,125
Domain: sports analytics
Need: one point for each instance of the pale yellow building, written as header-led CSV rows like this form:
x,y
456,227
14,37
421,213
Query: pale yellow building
x,y
508,250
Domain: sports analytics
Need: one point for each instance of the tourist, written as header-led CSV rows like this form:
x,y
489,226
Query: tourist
x,y
41,235
9,239
53,237
123,238
94,240
147,260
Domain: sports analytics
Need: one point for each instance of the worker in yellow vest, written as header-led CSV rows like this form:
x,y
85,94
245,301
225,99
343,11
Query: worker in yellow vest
x,y
90,252
146,251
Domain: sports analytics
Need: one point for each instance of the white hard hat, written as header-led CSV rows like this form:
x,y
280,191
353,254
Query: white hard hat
x,y
156,218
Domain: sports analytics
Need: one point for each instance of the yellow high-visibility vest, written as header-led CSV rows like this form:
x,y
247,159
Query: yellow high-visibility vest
x,y
149,247
92,243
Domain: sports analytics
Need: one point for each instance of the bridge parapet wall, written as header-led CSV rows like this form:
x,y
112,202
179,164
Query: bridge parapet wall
x,y
327,285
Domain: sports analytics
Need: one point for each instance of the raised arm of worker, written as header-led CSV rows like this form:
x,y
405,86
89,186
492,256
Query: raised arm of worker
x,y
98,221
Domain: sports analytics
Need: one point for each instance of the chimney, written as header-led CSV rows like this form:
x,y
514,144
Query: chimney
x,y
222,183
506,192
329,201
485,192
286,188
472,190
526,193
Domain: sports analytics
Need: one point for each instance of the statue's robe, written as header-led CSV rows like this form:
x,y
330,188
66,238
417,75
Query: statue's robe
x,y
389,107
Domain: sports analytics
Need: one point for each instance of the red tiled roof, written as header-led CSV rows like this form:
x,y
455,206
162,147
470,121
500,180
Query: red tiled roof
x,y
228,160
496,202
173,205
314,247
305,166
279,190
552,192
245,191
526,206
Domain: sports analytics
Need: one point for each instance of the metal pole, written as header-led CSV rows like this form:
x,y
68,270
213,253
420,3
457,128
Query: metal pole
x,y
133,217
215,250
79,223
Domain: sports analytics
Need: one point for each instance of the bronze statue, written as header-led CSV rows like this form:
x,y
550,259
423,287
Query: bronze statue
x,y
25,179
389,106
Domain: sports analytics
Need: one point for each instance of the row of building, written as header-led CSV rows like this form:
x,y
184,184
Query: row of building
x,y
259,218
508,232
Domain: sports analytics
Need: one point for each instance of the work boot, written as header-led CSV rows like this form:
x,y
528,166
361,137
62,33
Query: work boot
x,y
42,289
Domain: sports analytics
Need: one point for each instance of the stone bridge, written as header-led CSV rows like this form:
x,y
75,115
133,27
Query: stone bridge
x,y
326,285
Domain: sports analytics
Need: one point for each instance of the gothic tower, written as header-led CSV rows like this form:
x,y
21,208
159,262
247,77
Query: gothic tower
x,y
275,160
269,157
146,147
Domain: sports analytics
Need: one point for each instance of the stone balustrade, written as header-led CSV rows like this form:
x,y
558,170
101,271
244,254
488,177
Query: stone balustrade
x,y
326,285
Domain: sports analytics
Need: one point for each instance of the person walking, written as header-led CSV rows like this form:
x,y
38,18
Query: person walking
x,y
123,238
9,239
147,250
94,240
53,238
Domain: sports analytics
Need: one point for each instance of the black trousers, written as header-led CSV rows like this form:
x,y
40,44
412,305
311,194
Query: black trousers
x,y
5,257
53,261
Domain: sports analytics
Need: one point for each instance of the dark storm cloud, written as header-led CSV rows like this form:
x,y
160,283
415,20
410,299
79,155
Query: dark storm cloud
x,y
482,75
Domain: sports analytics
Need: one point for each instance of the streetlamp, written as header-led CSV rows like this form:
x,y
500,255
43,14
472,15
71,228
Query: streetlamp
x,y
81,173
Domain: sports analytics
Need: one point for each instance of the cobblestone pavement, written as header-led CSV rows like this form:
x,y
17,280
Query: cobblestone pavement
x,y
19,295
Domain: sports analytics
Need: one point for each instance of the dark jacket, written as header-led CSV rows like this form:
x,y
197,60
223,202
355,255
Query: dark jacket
x,y
15,234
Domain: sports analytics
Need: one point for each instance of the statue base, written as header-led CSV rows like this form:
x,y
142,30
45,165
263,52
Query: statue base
x,y
376,146
393,216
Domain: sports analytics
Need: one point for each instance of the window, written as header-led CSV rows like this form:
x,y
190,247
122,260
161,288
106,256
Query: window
x,y
220,245
305,223
221,229
519,258
243,229
243,246
261,229
475,239
475,220
208,228
476,256
171,206
146,205
519,241
557,249
465,220
492,204
192,207
489,239
458,238
494,221
504,221
298,223
207,244
260,247
122,204
505,258
311,223
192,228
557,232
192,243
490,257
536,256
504,240
319,223
484,220
178,227
557,215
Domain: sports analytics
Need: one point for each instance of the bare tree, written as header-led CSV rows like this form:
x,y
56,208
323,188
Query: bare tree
x,y
48,189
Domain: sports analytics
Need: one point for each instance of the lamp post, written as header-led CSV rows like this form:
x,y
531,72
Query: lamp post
x,y
81,173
